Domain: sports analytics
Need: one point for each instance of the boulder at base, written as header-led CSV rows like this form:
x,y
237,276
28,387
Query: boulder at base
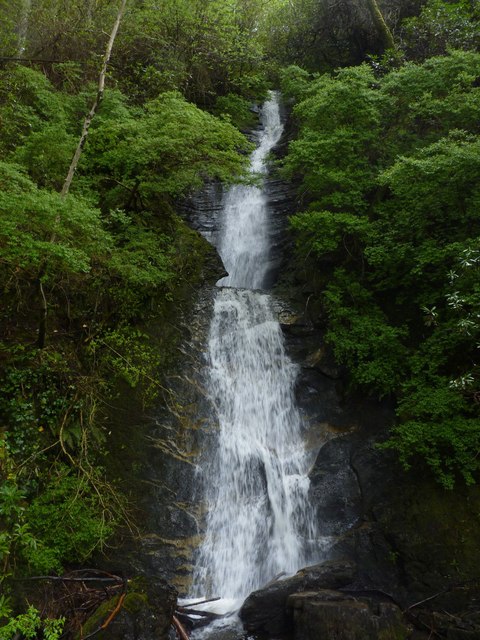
x,y
265,611
336,616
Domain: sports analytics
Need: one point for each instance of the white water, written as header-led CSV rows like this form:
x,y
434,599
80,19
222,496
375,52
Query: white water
x,y
244,242
258,521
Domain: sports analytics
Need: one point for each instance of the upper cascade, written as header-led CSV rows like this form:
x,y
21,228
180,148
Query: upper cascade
x,y
244,241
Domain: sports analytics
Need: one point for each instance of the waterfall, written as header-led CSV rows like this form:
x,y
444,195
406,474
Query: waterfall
x,y
256,483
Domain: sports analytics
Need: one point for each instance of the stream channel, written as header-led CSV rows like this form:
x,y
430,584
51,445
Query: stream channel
x,y
258,520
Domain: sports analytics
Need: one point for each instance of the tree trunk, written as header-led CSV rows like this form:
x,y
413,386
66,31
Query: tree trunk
x,y
75,160
383,29
97,101
23,27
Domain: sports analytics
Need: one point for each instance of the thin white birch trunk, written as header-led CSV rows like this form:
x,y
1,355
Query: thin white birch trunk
x,y
98,99
73,165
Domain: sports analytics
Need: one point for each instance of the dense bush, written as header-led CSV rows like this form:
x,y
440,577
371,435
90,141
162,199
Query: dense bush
x,y
390,167
99,261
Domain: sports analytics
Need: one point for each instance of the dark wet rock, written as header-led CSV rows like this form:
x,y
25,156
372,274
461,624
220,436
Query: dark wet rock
x,y
146,613
158,454
265,611
378,568
334,491
202,211
444,625
433,534
335,616
411,538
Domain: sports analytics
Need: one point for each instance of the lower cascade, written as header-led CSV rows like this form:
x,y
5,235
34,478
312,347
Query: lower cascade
x,y
258,522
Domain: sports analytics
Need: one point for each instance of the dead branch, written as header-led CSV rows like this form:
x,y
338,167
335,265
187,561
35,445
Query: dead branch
x,y
447,589
195,604
114,580
36,60
179,628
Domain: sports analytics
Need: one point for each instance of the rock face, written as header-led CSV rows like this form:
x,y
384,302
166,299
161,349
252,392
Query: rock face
x,y
265,611
407,537
155,449
171,506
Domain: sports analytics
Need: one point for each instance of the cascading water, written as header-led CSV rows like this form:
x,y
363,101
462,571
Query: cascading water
x,y
258,521
244,242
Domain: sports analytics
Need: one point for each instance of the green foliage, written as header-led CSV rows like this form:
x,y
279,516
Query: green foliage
x,y
46,155
143,258
39,226
167,151
396,209
125,353
430,100
318,36
362,336
446,446
253,85
324,232
16,536
202,48
27,103
56,32
53,518
102,260
12,12
5,607
340,122
68,520
35,398
29,624
441,25
294,82
235,108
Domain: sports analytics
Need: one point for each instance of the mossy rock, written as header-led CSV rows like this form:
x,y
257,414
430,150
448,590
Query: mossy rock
x,y
146,613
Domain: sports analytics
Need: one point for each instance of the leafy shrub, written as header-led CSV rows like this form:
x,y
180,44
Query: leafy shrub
x,y
389,169
69,520
236,108
29,624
